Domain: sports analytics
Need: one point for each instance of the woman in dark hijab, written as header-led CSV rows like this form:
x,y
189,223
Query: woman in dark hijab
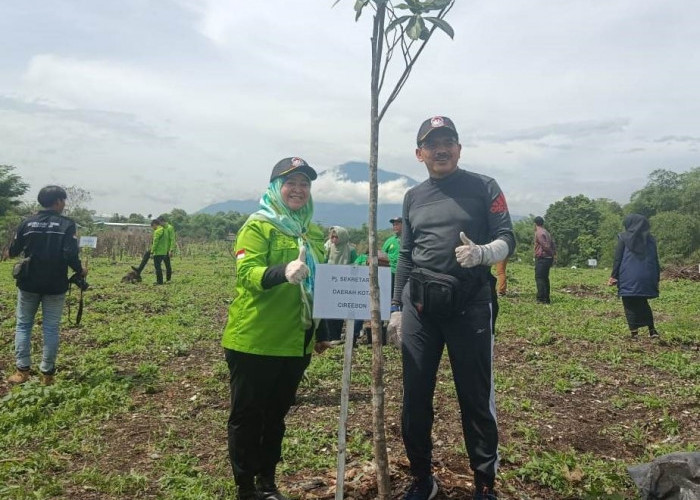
x,y
636,273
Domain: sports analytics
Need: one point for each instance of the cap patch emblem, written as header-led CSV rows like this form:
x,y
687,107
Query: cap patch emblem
x,y
297,162
240,254
437,121
499,205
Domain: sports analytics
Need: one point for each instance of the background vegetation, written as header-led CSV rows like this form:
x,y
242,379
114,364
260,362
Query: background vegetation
x,y
586,229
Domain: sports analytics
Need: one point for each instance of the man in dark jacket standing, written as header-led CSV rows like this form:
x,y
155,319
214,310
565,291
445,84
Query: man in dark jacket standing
x,y
49,240
545,251
455,225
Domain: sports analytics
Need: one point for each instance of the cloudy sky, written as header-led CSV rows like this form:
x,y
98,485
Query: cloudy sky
x,y
152,105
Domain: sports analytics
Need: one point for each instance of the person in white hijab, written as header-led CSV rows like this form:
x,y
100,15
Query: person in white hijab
x,y
340,252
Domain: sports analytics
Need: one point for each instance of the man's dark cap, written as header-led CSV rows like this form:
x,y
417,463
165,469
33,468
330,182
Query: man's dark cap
x,y
290,165
539,220
435,123
396,219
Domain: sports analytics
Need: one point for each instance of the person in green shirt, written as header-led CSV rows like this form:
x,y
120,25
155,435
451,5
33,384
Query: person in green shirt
x,y
392,246
270,332
170,236
159,249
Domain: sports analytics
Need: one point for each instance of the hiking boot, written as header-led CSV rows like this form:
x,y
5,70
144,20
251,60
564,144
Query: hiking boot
x,y
634,334
653,333
46,379
486,493
483,487
422,488
19,377
267,489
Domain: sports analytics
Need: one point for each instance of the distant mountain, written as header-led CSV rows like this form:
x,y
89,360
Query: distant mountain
x,y
327,214
341,214
357,171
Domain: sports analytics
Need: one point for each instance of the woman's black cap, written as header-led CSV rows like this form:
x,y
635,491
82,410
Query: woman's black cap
x,y
290,165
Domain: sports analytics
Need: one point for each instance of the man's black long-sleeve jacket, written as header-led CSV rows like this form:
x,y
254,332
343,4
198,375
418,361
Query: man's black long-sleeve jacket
x,y
50,240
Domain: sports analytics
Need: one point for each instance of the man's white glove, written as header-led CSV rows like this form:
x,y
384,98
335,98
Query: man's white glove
x,y
297,270
393,331
470,255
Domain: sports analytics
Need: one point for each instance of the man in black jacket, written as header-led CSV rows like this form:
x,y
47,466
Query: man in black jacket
x,y
49,240
455,225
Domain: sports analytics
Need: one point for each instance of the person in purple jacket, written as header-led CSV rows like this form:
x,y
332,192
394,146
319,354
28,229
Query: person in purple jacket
x,y
636,273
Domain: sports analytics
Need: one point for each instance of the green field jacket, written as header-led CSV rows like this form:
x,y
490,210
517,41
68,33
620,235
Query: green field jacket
x,y
170,233
267,321
160,242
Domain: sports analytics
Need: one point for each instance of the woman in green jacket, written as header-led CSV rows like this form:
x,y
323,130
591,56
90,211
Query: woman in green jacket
x,y
270,333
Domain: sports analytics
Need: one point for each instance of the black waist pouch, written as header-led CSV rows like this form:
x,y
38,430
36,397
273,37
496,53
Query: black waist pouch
x,y
20,271
434,293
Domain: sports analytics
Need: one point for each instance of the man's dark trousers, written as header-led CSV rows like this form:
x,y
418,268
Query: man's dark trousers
x,y
542,266
144,261
469,342
168,268
157,261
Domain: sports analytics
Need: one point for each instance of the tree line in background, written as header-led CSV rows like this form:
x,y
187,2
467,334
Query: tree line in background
x,y
583,228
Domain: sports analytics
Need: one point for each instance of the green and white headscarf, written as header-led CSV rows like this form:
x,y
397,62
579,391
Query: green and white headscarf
x,y
340,252
294,224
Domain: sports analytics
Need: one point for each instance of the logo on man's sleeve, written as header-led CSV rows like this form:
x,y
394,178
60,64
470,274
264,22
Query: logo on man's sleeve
x,y
499,205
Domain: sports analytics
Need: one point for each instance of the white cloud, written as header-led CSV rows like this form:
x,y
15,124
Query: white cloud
x,y
332,187
185,103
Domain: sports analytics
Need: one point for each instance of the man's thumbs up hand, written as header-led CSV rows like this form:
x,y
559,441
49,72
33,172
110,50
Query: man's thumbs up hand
x,y
297,270
468,254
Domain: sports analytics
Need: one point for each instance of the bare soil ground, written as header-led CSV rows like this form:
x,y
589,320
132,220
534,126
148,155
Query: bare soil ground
x,y
569,420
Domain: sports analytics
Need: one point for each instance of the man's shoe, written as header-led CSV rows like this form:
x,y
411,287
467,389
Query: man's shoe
x,y
653,333
136,269
247,494
19,377
267,489
46,379
485,494
483,487
422,488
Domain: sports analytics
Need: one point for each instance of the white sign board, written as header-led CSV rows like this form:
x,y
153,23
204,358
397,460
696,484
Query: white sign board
x,y
88,241
592,262
342,292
